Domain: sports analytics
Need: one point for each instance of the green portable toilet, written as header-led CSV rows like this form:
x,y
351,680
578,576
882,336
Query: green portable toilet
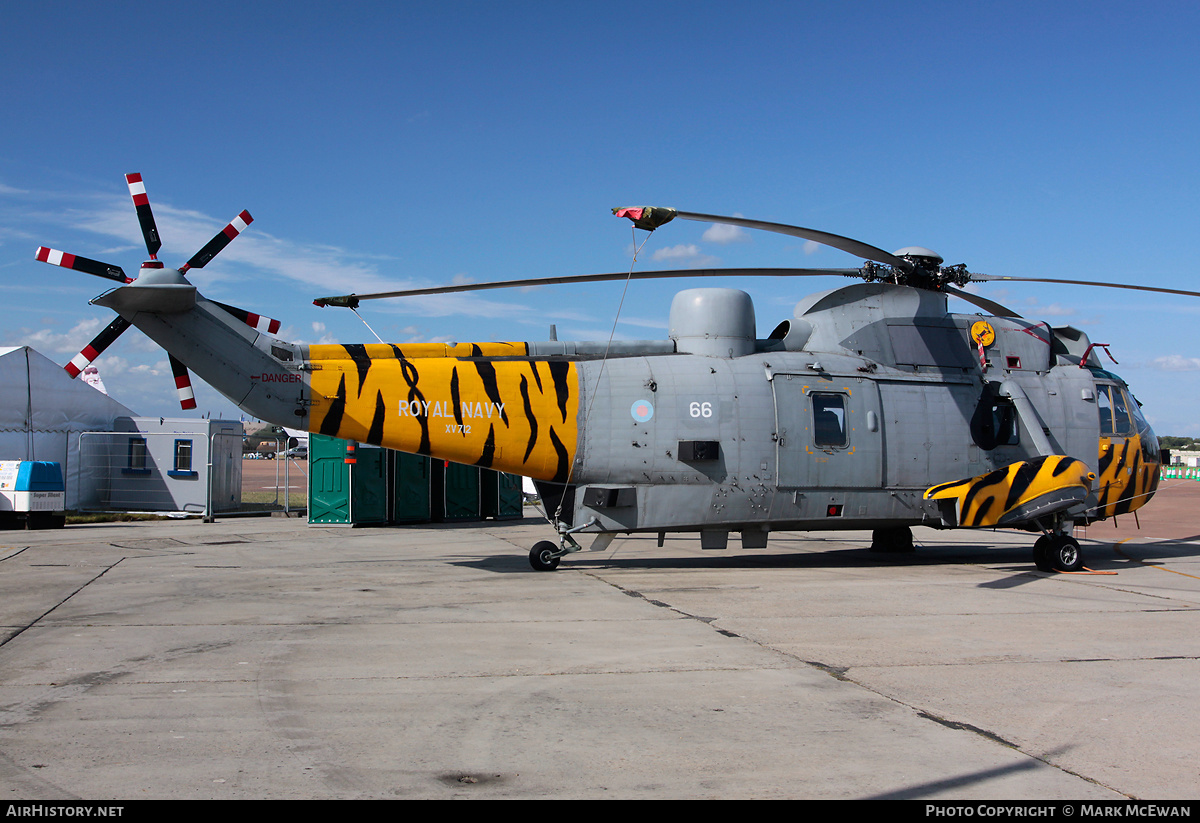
x,y
455,491
411,486
341,493
501,495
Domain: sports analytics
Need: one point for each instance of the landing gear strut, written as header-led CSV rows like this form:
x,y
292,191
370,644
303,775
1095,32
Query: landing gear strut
x,y
544,556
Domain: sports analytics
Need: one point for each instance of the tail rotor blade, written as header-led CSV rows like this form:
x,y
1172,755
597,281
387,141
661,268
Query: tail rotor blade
x,y
94,349
137,190
222,239
254,321
84,264
183,383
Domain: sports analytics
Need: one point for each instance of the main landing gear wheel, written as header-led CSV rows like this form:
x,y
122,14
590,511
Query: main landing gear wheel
x,y
892,541
1040,558
544,556
1057,552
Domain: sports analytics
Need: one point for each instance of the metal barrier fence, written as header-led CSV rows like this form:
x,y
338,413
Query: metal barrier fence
x,y
279,467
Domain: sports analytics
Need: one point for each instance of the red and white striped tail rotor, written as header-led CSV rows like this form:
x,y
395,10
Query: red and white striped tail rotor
x,y
183,383
84,264
254,321
222,239
94,349
141,203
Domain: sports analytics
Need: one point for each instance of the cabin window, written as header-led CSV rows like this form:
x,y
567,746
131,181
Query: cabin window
x,y
829,420
995,422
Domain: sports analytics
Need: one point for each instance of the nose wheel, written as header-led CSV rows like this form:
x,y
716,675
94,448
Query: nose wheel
x,y
1057,552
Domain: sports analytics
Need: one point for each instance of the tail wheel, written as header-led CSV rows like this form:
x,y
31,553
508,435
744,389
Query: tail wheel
x,y
544,556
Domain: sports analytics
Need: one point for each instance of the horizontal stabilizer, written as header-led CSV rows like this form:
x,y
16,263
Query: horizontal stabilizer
x,y
164,298
1015,494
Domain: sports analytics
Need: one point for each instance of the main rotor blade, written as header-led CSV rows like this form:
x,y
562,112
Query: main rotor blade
x,y
222,239
846,244
1003,278
94,349
352,300
83,264
982,302
137,190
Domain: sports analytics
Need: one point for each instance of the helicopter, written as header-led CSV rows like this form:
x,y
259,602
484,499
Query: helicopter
x,y
872,408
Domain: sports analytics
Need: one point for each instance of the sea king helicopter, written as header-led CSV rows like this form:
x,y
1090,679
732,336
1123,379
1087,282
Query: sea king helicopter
x,y
872,408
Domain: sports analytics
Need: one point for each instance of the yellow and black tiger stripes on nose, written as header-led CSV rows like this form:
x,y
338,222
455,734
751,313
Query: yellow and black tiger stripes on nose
x,y
987,500
1127,479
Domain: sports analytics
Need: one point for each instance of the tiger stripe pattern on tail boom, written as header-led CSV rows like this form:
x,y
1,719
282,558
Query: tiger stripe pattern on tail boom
x,y
484,404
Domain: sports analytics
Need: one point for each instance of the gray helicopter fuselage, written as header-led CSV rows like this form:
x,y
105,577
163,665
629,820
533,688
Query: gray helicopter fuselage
x,y
842,419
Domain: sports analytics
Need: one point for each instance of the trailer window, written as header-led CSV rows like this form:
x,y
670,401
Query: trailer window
x,y
137,453
183,455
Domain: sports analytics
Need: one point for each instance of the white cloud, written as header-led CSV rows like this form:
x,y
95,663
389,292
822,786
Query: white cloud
x,y
1176,362
48,340
687,254
723,234
1056,310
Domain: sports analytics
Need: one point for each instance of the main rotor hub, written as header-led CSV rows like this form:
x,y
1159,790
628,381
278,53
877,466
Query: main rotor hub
x,y
920,256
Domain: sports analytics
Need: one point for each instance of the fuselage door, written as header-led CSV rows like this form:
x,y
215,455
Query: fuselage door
x,y
828,432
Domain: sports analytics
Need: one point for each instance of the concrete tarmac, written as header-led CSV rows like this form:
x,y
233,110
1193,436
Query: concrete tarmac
x,y
265,658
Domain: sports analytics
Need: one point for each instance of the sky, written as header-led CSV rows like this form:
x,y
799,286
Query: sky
x,y
386,145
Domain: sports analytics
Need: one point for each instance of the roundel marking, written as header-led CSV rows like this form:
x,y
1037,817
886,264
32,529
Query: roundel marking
x,y
642,410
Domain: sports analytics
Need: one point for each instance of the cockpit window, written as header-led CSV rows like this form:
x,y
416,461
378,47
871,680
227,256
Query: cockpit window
x,y
1114,405
1122,424
1104,405
1135,408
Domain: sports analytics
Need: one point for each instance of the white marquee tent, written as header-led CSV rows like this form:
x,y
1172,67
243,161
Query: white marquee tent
x,y
42,412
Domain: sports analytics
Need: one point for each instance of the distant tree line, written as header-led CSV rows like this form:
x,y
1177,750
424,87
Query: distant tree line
x,y
1179,443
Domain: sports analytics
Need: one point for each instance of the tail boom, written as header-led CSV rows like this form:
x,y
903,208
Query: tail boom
x,y
485,404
